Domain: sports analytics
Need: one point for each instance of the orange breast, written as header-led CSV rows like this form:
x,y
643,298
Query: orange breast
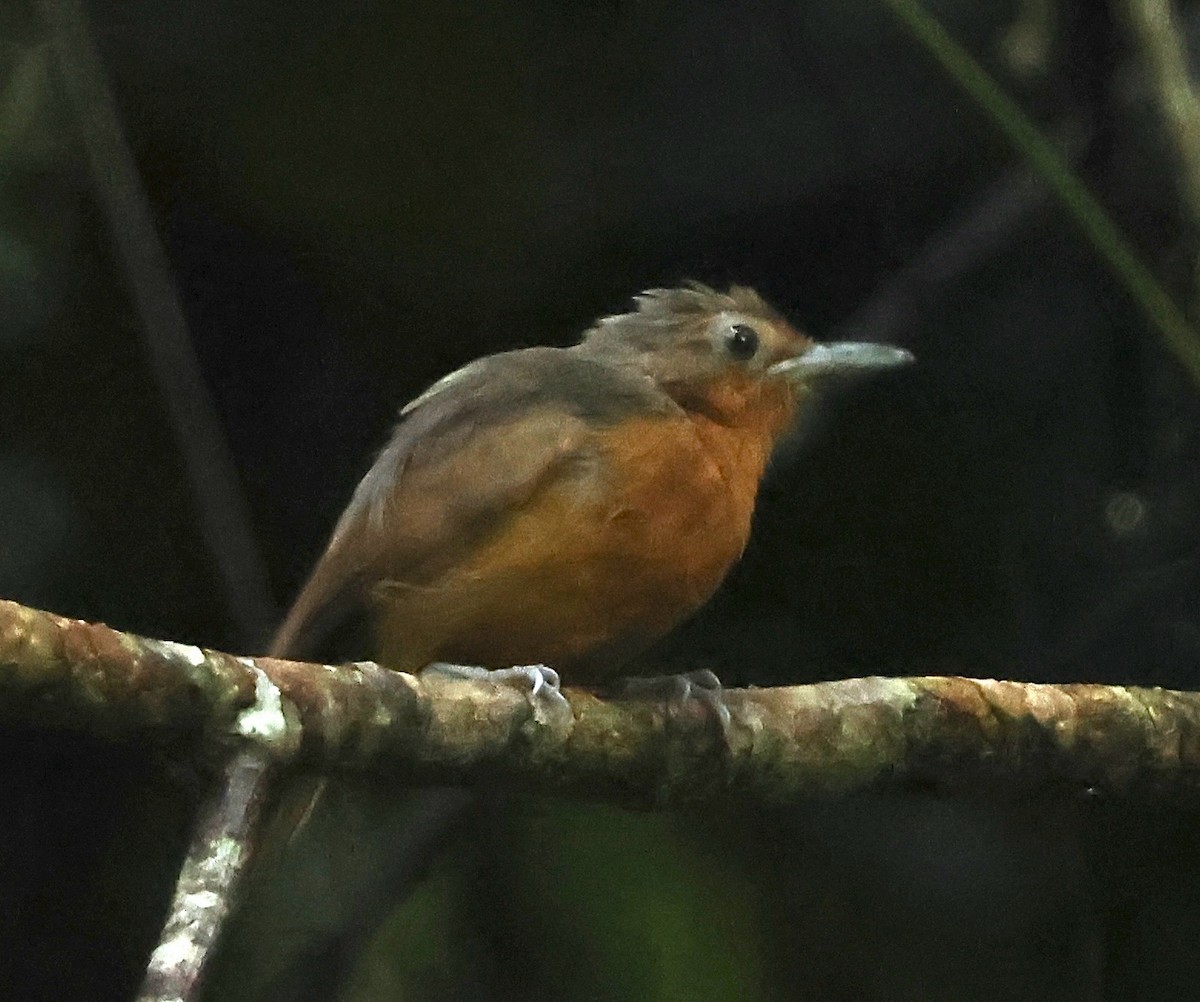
x,y
604,559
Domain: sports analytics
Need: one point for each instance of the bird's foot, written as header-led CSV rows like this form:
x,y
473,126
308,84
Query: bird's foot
x,y
678,689
550,706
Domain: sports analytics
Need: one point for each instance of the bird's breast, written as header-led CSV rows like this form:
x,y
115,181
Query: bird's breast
x,y
675,510
633,535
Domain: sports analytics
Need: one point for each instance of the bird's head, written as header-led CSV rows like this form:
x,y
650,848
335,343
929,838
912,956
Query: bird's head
x,y
729,356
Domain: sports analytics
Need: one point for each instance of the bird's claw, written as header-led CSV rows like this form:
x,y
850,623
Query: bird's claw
x,y
702,685
550,706
541,677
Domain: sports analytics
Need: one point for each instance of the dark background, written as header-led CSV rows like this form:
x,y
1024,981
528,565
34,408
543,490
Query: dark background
x,y
356,198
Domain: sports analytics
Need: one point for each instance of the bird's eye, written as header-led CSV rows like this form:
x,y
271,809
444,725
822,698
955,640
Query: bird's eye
x,y
741,342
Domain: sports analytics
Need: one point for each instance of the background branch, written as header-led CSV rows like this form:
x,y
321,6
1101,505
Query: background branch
x,y
1050,164
221,843
1161,44
1161,40
224,518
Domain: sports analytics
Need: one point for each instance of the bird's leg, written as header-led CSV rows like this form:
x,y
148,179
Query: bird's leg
x,y
678,689
550,706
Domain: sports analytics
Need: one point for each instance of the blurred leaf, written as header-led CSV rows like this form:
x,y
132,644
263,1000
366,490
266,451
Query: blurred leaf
x,y
31,130
636,906
417,954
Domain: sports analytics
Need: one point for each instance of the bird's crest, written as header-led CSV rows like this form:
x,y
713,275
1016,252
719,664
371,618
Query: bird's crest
x,y
691,303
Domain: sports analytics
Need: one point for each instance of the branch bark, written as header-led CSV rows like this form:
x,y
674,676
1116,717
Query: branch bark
x,y
205,892
782,744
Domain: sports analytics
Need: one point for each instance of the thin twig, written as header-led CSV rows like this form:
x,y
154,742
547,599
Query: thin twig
x,y
964,243
224,517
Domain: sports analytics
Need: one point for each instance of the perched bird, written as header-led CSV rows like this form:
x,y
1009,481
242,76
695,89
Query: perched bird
x,y
559,507
568,506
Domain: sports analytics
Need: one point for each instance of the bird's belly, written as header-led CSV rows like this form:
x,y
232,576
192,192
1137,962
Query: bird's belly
x,y
592,570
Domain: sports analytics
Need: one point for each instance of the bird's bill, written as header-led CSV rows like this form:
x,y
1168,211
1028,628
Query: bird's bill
x,y
841,357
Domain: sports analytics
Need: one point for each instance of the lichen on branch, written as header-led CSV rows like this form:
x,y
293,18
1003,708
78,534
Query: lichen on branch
x,y
781,744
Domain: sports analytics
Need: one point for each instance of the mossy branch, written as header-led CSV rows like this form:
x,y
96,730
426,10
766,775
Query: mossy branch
x,y
782,744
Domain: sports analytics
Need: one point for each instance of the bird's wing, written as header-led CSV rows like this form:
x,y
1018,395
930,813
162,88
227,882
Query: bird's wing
x,y
471,450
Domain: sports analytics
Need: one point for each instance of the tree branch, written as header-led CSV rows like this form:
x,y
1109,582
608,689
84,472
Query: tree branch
x,y
782,744
204,893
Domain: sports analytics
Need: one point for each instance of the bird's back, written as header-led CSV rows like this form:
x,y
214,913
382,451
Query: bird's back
x,y
464,466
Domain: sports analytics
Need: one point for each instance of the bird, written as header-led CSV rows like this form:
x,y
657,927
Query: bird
x,y
566,507
539,516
